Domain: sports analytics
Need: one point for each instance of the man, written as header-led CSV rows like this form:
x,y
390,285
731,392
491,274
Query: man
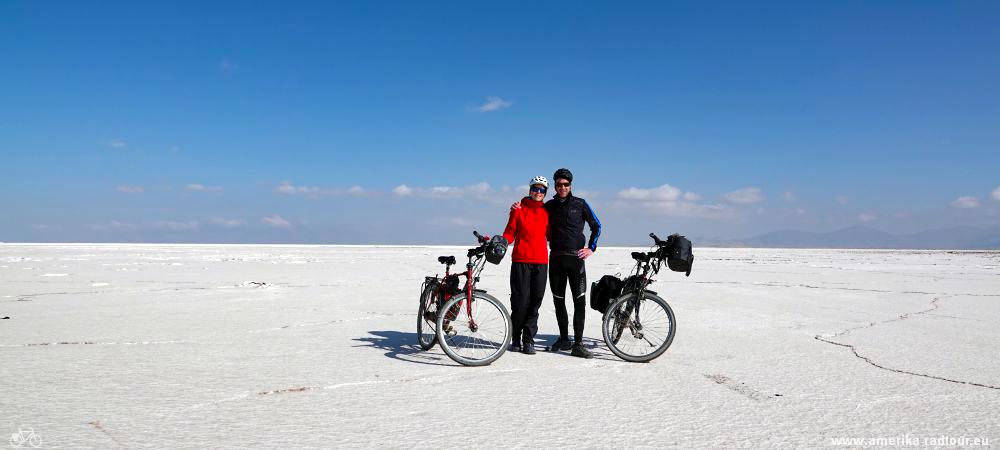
x,y
526,229
569,249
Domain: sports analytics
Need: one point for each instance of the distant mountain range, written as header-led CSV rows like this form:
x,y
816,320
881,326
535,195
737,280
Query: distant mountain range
x,y
957,238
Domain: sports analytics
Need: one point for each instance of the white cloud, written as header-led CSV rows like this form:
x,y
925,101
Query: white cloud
x,y
288,188
996,194
226,223
687,209
670,201
112,224
227,66
276,221
744,196
402,190
455,221
175,226
867,217
665,192
195,187
171,225
493,104
478,190
842,199
130,189
965,202
445,192
591,194
118,143
789,196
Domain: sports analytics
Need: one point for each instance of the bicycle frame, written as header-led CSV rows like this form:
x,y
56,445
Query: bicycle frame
x,y
472,270
642,268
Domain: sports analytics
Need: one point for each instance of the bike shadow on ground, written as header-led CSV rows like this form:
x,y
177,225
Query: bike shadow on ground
x,y
596,347
403,346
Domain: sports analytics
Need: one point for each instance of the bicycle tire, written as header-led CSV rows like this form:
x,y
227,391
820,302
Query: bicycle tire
x,y
426,338
613,326
454,346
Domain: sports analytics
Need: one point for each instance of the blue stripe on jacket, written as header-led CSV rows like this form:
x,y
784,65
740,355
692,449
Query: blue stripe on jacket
x,y
593,246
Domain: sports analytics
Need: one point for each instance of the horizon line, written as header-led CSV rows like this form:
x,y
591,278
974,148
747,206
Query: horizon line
x,y
214,244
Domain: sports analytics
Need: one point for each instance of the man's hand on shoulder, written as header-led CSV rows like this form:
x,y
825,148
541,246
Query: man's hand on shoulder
x,y
515,206
584,253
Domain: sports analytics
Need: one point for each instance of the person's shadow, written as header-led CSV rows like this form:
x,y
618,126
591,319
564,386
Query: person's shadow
x,y
403,346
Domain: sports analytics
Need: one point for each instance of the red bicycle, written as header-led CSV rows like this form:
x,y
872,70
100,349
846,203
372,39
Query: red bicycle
x,y
474,329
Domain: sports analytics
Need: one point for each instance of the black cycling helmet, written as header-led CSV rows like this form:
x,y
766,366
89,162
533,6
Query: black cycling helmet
x,y
563,173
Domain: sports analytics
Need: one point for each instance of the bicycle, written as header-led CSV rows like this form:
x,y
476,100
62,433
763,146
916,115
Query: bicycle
x,y
639,326
25,436
472,332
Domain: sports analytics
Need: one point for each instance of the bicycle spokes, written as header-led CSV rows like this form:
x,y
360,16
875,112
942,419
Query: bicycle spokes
x,y
481,330
639,329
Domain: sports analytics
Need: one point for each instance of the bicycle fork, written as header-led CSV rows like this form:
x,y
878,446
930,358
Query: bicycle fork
x,y
473,326
634,325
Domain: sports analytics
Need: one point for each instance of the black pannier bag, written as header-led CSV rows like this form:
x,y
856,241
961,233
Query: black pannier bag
x,y
451,285
496,249
679,255
602,292
630,284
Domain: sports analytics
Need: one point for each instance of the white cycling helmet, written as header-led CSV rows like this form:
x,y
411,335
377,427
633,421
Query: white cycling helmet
x,y
540,180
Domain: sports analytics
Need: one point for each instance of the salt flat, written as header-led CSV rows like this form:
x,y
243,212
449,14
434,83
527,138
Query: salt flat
x,y
194,346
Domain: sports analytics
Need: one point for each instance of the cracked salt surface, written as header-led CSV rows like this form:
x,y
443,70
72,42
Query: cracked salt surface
x,y
934,305
317,348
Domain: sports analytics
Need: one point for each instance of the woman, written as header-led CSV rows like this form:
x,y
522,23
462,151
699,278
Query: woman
x,y
526,229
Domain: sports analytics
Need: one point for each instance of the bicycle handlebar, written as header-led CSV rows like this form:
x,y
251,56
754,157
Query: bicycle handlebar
x,y
657,240
482,245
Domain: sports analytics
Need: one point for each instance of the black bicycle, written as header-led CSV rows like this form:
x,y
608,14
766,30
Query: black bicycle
x,y
639,326
472,326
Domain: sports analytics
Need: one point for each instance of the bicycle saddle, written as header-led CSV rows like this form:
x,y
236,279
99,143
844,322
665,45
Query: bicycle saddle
x,y
640,256
449,260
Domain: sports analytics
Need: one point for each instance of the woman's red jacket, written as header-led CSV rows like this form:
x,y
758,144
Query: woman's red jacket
x,y
527,229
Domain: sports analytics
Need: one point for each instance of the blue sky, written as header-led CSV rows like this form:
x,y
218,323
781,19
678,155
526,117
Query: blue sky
x,y
300,122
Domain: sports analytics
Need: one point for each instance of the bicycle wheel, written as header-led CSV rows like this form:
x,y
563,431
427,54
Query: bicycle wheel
x,y
639,329
427,316
475,339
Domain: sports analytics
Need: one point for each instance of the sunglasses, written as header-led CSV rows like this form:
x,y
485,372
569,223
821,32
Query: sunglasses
x,y
562,184
538,189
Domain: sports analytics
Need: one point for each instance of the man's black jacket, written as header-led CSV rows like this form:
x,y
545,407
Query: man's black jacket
x,y
566,219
